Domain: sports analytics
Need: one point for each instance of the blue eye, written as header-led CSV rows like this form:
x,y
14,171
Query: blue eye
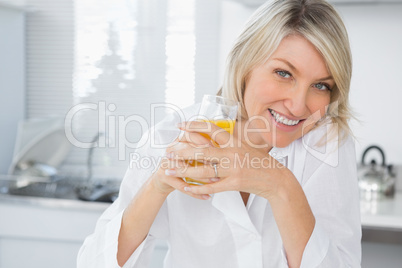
x,y
283,74
322,86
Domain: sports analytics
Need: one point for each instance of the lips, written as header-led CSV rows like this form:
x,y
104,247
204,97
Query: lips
x,y
280,118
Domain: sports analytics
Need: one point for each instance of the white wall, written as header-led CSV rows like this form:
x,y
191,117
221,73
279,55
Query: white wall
x,y
375,32
376,92
12,84
233,17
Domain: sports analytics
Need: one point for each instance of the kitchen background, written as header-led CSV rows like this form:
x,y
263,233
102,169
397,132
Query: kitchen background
x,y
93,64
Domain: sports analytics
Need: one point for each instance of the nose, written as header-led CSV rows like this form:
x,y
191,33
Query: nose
x,y
296,100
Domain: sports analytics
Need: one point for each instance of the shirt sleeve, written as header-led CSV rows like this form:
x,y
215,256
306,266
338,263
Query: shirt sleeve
x,y
332,192
100,248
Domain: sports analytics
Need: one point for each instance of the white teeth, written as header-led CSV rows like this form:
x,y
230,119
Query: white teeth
x,y
283,120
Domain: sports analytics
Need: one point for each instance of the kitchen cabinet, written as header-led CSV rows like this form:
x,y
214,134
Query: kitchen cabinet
x,y
48,233
44,232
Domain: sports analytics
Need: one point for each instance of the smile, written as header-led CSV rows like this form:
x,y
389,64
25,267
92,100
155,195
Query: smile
x,y
282,119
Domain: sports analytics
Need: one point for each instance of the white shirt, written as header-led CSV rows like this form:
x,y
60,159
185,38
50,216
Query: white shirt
x,y
222,232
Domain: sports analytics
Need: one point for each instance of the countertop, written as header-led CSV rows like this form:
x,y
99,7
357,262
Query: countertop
x,y
384,213
65,204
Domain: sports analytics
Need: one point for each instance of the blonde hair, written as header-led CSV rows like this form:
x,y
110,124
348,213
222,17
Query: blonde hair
x,y
315,20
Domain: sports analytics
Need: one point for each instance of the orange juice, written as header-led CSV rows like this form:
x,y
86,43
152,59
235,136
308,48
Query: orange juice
x,y
227,125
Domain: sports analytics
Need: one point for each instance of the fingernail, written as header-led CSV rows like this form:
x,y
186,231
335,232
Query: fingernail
x,y
170,172
187,189
181,125
205,196
214,179
170,155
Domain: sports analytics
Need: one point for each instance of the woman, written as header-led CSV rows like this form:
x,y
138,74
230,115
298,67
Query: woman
x,y
284,193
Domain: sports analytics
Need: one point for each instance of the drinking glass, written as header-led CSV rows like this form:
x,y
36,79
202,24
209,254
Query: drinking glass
x,y
219,111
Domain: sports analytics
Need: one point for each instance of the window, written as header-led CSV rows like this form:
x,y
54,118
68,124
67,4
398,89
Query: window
x,y
110,60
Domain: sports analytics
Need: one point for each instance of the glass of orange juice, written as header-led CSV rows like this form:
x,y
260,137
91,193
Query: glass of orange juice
x,y
219,111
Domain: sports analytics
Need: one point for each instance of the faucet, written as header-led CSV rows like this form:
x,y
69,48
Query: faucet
x,y
90,154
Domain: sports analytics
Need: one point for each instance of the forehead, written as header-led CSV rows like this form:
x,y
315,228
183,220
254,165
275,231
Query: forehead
x,y
302,54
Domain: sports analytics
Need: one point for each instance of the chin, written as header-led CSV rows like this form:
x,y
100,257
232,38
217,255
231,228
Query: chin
x,y
280,142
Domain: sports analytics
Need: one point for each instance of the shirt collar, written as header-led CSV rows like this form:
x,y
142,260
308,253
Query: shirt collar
x,y
281,154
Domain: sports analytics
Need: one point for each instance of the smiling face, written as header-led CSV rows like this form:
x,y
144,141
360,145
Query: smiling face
x,y
290,91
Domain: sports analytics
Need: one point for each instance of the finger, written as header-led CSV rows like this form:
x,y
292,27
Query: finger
x,y
208,189
194,138
183,187
182,146
199,171
218,134
201,181
187,151
167,163
203,172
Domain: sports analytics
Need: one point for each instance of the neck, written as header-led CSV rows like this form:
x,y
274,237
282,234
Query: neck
x,y
249,135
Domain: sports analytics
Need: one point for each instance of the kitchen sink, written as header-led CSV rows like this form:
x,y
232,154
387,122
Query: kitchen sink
x,y
46,189
101,190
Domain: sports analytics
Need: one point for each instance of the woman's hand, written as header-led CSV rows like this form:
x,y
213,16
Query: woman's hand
x,y
240,165
165,180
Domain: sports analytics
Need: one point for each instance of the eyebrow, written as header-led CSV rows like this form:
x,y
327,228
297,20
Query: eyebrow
x,y
291,66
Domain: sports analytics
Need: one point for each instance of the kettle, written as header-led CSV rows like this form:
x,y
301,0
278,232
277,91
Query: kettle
x,y
375,181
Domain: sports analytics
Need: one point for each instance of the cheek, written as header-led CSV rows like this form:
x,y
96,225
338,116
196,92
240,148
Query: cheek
x,y
318,106
258,96
251,100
